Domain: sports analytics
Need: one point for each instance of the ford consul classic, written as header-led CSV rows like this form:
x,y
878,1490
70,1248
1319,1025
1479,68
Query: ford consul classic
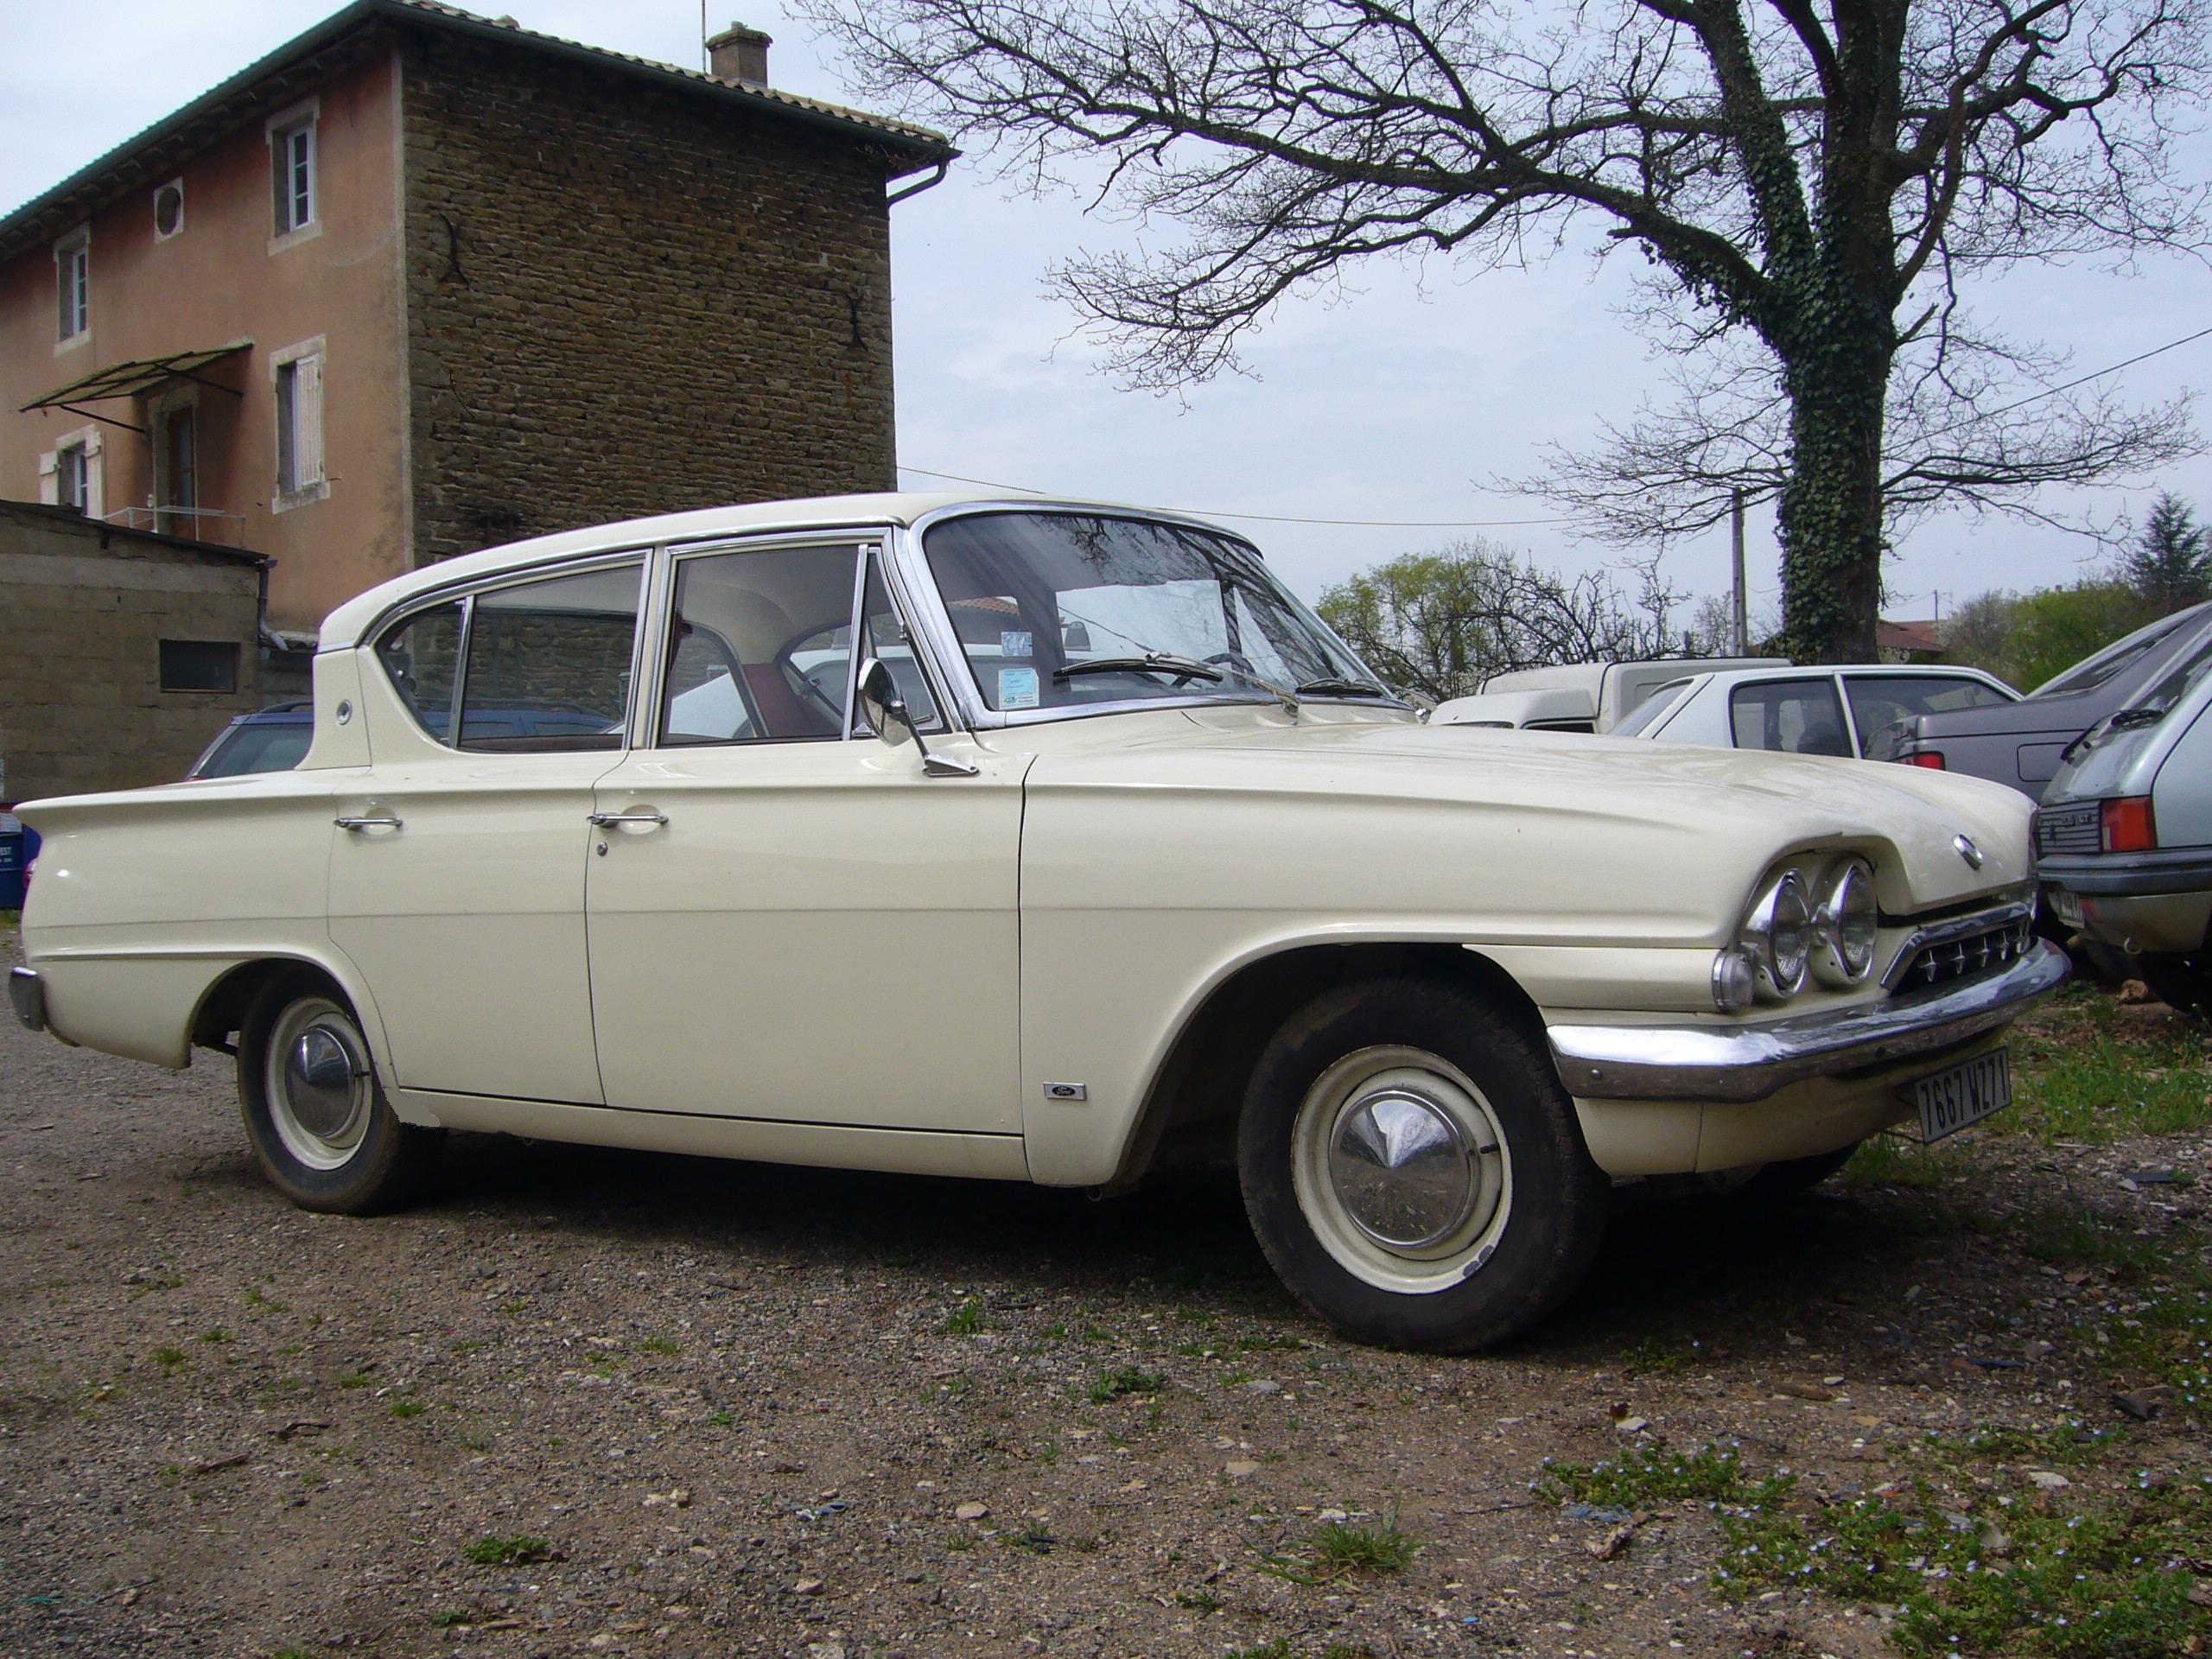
x,y
1038,842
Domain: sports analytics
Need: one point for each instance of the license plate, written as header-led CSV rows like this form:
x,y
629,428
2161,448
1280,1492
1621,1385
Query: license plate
x,y
2068,904
1964,1094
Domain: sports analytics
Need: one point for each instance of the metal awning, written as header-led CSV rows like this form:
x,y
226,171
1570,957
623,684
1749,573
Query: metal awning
x,y
135,378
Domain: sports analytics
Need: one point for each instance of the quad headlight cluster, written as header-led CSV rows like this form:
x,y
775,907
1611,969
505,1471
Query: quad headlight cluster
x,y
1806,925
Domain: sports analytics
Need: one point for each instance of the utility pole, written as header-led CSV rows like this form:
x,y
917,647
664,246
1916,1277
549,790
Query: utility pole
x,y
1736,535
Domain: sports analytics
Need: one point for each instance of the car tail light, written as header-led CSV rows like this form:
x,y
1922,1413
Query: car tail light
x,y
1932,759
2129,826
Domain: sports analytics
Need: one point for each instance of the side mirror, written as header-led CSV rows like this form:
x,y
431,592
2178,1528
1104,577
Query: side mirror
x,y
887,716
882,706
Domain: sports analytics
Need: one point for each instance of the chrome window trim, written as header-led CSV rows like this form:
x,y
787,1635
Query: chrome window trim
x,y
563,564
674,553
466,594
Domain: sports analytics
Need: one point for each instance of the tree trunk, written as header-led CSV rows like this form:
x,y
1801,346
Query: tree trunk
x,y
1831,511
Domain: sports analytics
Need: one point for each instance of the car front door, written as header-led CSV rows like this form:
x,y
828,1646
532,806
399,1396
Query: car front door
x,y
788,919
457,877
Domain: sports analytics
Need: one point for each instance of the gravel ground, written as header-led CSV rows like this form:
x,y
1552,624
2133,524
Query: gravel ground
x,y
734,1408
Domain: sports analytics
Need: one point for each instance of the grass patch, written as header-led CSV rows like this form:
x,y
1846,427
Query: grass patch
x,y
1123,1380
492,1550
1645,1476
407,1408
1889,1160
1034,1538
354,1380
660,1345
1341,1546
966,1320
1653,1358
720,1419
2090,1069
2077,1578
168,1358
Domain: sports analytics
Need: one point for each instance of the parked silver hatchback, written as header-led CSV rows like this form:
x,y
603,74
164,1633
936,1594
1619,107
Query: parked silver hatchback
x,y
2124,837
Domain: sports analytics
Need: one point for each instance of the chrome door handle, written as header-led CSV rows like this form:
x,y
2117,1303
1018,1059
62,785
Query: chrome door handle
x,y
603,819
359,824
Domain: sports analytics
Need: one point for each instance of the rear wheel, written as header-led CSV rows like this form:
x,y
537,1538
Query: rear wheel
x,y
1414,1171
319,1124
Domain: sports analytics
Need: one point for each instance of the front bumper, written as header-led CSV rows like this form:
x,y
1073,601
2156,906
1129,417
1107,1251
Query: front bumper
x,y
26,992
1742,1062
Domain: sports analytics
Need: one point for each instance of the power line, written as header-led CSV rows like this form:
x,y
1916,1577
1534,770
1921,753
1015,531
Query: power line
x,y
1272,517
1505,524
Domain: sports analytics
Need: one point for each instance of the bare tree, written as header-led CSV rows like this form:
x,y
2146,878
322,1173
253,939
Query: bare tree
x,y
1817,185
1439,624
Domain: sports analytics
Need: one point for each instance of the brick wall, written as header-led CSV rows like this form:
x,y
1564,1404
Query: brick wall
x,y
87,605
625,299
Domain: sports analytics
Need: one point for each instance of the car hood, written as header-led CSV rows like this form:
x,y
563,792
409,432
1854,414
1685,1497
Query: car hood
x,y
1615,798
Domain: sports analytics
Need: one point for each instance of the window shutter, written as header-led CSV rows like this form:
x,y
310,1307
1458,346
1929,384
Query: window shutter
x,y
307,421
95,484
49,480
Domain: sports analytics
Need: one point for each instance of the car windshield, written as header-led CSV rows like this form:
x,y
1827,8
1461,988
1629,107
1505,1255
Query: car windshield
x,y
1645,715
2116,657
1066,610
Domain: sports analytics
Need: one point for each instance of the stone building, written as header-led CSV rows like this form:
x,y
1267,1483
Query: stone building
x,y
418,281
124,651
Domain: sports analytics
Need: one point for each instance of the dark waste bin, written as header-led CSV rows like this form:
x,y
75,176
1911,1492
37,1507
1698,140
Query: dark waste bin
x,y
18,847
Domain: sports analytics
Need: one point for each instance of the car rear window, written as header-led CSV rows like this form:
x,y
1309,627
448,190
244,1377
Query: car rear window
x,y
273,747
1878,701
2116,658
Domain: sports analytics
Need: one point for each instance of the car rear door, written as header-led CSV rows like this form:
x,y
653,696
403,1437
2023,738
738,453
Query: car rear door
x,y
457,877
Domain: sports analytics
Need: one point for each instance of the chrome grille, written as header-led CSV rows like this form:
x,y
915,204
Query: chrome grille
x,y
1961,955
2069,830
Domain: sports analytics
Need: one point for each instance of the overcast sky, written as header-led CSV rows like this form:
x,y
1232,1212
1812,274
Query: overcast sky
x,y
1394,402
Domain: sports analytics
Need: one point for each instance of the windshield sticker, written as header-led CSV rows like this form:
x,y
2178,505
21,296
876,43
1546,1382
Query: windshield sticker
x,y
1014,642
1017,688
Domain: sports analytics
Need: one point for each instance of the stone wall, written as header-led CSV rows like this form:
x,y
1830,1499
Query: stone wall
x,y
88,605
623,299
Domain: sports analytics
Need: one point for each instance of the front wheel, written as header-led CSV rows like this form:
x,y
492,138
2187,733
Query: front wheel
x,y
320,1125
1414,1171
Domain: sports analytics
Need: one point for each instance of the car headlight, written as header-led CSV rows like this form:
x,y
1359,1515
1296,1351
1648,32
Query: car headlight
x,y
1778,936
1844,925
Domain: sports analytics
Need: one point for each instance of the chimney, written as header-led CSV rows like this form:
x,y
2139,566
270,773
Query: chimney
x,y
739,54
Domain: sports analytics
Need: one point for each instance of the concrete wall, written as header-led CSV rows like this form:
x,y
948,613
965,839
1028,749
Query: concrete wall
x,y
88,605
625,300
224,278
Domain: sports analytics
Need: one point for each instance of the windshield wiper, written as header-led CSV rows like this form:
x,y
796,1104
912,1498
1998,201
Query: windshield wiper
x,y
1337,685
2143,715
1156,661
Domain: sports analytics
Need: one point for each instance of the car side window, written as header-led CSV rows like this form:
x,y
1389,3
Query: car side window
x,y
547,666
420,657
761,646
1792,716
884,636
1881,700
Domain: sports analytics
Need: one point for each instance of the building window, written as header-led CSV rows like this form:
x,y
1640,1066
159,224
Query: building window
x,y
298,377
72,477
200,666
72,262
291,151
168,210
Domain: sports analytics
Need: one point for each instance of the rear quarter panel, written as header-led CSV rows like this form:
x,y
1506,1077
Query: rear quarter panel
x,y
143,899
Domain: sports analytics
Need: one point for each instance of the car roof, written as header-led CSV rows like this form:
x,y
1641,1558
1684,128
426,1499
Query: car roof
x,y
1519,708
344,627
1731,677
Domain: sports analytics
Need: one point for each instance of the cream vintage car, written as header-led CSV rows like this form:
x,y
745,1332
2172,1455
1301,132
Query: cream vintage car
x,y
1036,842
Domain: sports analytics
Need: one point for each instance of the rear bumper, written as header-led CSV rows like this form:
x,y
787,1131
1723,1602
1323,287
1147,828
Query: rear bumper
x,y
1740,1062
2169,870
27,994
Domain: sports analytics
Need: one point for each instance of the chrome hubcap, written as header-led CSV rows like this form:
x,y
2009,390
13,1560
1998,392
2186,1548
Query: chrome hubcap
x,y
319,1088
1401,1169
